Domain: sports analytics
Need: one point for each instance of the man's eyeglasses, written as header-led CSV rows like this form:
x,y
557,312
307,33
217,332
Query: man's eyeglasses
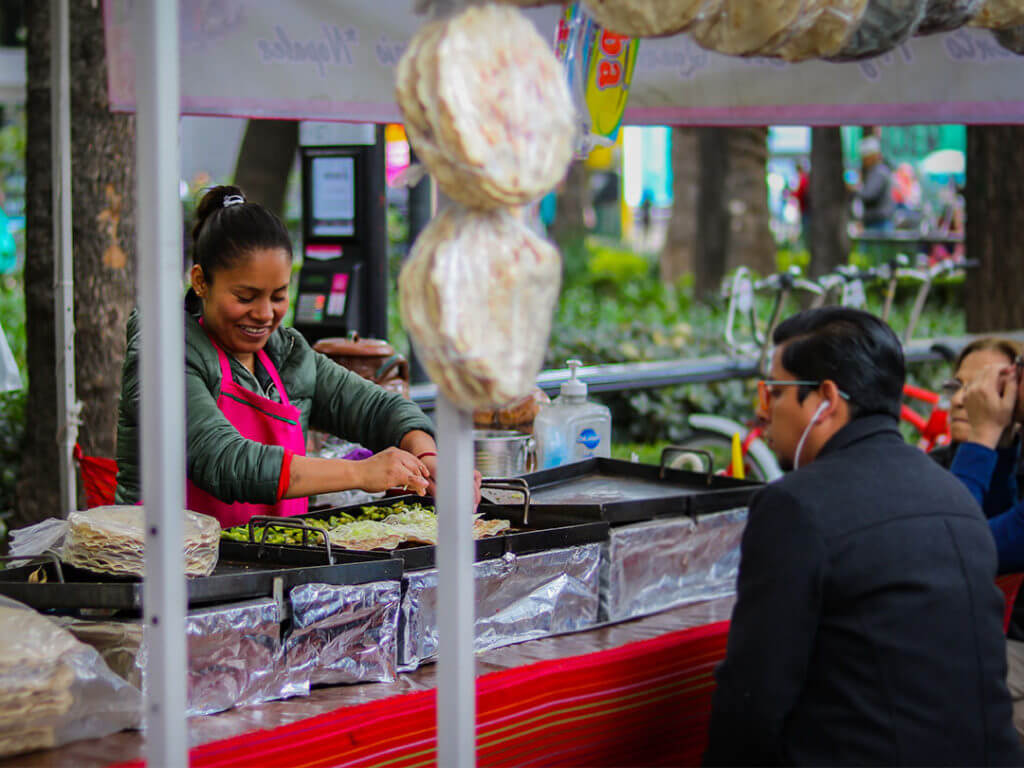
x,y
765,387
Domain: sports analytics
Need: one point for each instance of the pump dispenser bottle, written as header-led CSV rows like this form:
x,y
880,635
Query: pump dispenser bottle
x,y
571,428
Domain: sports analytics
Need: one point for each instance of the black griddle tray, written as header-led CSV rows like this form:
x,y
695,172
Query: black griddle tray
x,y
543,532
231,581
626,492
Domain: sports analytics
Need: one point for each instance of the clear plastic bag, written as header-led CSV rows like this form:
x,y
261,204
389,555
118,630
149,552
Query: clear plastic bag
x,y
477,297
743,28
648,18
999,14
1011,39
53,688
487,107
947,15
884,25
832,27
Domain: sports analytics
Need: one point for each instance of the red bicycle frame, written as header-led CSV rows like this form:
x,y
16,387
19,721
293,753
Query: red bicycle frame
x,y
934,429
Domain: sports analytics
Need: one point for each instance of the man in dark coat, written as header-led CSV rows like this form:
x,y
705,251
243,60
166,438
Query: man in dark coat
x,y
867,628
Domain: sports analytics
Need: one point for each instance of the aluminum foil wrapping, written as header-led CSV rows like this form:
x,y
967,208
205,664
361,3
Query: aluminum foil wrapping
x,y
342,634
518,597
647,567
233,654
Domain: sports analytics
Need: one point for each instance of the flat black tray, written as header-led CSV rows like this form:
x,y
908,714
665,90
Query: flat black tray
x,y
543,532
626,492
233,580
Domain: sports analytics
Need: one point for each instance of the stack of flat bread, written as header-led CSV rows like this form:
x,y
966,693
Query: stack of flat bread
x,y
1000,14
827,33
487,107
35,680
884,25
1011,38
477,296
947,15
647,18
743,28
112,540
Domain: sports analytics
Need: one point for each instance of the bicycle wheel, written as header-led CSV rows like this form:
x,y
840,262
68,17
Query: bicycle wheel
x,y
720,448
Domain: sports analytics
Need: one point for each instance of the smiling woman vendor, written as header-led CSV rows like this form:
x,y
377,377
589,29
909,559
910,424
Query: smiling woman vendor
x,y
253,388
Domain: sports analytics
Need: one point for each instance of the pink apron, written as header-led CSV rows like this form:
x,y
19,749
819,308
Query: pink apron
x,y
256,418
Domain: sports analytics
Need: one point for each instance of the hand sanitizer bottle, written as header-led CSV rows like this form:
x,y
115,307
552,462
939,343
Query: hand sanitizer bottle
x,y
571,428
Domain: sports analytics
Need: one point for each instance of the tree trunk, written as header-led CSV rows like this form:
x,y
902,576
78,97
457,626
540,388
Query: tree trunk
x,y
265,161
995,228
713,219
828,240
103,230
677,257
569,228
751,243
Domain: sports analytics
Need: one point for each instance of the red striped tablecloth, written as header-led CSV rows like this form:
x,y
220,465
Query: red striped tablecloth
x,y
646,703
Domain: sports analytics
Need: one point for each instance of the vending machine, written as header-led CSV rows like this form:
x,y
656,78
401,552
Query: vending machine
x,y
343,283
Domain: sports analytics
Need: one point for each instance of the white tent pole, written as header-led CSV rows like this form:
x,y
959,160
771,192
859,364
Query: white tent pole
x,y
163,379
63,266
456,690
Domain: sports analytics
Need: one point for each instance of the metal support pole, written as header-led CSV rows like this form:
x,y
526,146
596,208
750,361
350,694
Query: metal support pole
x,y
163,380
63,266
456,691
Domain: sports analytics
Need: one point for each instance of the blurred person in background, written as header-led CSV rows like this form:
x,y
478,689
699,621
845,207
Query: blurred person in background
x,y
875,190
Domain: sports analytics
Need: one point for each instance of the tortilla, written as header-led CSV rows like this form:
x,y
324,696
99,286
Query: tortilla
x,y
826,36
745,28
1012,39
112,539
477,296
487,107
947,15
999,14
646,18
884,25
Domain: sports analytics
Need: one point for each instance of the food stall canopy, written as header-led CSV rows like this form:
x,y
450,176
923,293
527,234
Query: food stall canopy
x,y
335,60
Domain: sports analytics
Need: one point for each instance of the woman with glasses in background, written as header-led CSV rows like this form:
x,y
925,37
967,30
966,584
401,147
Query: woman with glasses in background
x,y
973,360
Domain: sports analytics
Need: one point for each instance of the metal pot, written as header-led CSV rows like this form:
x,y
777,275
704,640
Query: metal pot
x,y
373,359
502,452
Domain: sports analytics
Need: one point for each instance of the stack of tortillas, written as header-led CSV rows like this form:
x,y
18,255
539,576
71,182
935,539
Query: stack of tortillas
x,y
1000,14
487,107
113,539
35,680
477,296
833,25
646,18
743,28
947,15
884,25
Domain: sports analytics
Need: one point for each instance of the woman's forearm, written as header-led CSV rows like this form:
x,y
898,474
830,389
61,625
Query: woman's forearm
x,y
310,476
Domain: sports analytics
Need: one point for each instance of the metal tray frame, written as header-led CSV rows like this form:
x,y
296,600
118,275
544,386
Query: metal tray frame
x,y
232,581
555,532
699,493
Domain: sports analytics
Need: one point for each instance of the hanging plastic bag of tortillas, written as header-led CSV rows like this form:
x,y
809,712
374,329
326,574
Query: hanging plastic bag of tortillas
x,y
884,25
477,296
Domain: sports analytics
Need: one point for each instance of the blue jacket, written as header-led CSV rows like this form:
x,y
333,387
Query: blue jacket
x,y
990,476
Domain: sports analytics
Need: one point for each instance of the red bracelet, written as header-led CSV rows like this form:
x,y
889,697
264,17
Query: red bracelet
x,y
426,453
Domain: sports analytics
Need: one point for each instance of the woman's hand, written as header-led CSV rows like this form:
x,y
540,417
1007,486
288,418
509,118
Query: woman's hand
x,y
431,462
394,468
991,400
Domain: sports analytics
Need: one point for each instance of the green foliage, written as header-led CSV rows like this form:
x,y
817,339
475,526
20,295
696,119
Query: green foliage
x,y
610,265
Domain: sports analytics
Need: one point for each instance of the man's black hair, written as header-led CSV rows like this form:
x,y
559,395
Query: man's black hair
x,y
855,349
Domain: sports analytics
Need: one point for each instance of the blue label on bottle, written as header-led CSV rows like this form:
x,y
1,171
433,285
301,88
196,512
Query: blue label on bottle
x,y
589,438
